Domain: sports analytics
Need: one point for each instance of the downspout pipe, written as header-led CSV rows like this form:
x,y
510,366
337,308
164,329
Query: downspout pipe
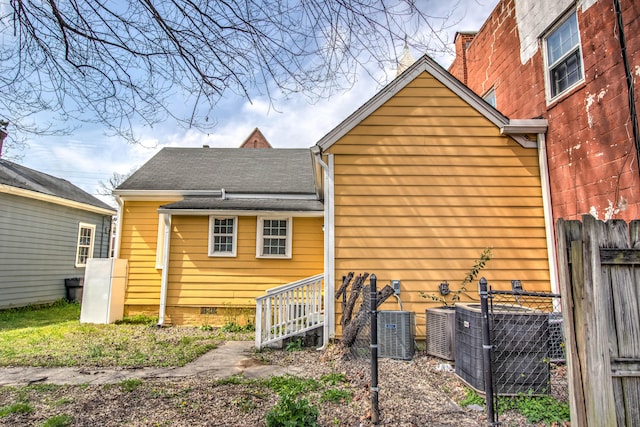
x,y
116,250
164,284
329,308
548,213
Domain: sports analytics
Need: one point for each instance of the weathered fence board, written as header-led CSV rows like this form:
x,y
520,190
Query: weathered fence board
x,y
599,267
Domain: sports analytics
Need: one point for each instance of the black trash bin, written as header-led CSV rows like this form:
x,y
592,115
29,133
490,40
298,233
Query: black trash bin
x,y
74,288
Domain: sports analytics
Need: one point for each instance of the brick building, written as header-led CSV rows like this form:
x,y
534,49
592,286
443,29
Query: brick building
x,y
573,63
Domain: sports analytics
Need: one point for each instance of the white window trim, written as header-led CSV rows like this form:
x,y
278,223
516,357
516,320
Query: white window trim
x,y
92,227
259,237
545,55
233,252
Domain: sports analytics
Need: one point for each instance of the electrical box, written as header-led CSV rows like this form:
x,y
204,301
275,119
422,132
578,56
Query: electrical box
x,y
395,284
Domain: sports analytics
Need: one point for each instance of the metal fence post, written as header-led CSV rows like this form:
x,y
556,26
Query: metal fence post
x,y
373,305
486,351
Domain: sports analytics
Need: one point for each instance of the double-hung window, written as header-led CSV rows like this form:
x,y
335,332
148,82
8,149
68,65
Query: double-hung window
x,y
84,247
223,238
274,238
563,57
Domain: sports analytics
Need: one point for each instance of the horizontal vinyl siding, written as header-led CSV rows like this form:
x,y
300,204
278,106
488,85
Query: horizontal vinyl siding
x,y
38,242
195,279
138,244
423,186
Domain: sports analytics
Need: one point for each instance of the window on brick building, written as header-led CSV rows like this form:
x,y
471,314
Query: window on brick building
x,y
563,57
274,238
223,233
490,97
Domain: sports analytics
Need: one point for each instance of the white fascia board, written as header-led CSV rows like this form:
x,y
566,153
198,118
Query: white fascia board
x,y
163,194
239,212
525,126
55,200
238,196
519,129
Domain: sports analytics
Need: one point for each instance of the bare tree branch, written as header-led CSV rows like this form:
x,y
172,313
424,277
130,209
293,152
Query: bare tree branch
x,y
123,64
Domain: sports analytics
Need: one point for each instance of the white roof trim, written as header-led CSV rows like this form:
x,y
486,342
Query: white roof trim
x,y
239,212
54,199
425,63
166,193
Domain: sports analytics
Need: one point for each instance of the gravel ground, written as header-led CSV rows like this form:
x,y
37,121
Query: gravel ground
x,y
412,393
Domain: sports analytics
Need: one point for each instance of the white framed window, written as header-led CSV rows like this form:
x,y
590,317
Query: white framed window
x,y
84,249
223,236
274,237
563,57
490,97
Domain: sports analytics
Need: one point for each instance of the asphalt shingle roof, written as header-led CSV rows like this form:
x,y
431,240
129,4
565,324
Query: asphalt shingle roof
x,y
237,170
18,176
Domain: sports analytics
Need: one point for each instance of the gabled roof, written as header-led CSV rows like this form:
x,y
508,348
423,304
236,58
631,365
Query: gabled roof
x,y
202,171
517,129
256,140
47,187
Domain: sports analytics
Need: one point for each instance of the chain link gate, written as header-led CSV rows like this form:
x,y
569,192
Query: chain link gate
x,y
525,351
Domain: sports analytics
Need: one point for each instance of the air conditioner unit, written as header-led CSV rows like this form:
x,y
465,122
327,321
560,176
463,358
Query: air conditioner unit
x,y
396,334
441,332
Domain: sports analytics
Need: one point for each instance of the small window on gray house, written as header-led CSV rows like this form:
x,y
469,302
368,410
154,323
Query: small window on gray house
x,y
86,236
563,57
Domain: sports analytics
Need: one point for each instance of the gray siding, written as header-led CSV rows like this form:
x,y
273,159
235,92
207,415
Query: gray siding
x,y
38,248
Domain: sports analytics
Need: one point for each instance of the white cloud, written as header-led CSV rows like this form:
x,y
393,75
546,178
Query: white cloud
x,y
89,156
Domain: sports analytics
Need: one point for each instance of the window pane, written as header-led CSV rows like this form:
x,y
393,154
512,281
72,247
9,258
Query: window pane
x,y
223,235
566,74
563,40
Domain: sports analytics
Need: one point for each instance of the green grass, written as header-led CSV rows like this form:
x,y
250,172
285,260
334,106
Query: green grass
x,y
63,420
16,408
53,336
536,409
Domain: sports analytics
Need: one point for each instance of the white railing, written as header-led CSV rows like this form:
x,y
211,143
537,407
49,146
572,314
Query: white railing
x,y
289,310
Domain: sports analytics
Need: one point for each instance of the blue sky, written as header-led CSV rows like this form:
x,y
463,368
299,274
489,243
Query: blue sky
x,y
88,156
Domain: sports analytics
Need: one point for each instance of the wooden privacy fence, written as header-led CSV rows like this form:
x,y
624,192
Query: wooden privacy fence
x,y
599,267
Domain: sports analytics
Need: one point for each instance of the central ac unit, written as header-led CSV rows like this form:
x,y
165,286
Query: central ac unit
x,y
396,334
441,332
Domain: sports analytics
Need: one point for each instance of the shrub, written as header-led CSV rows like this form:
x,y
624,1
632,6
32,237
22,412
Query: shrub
x,y
289,412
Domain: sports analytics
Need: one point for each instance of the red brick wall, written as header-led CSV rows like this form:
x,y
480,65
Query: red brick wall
x,y
591,153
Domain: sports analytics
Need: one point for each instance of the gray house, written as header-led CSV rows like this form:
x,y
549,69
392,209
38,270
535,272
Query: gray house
x,y
48,230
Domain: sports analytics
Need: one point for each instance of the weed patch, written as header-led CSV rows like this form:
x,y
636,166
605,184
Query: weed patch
x,y
63,420
16,408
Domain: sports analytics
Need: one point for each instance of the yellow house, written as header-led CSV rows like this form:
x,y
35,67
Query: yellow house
x,y
413,186
425,176
207,230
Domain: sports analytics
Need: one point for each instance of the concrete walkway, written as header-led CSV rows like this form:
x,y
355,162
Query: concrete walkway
x,y
231,358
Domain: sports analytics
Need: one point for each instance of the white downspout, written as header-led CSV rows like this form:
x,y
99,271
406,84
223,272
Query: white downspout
x,y
548,213
116,250
329,241
164,284
330,270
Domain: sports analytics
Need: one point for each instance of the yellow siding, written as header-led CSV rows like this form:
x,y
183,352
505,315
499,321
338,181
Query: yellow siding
x,y
229,285
423,185
138,245
197,280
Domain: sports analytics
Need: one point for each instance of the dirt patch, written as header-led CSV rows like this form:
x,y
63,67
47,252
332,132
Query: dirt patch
x,y
412,393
